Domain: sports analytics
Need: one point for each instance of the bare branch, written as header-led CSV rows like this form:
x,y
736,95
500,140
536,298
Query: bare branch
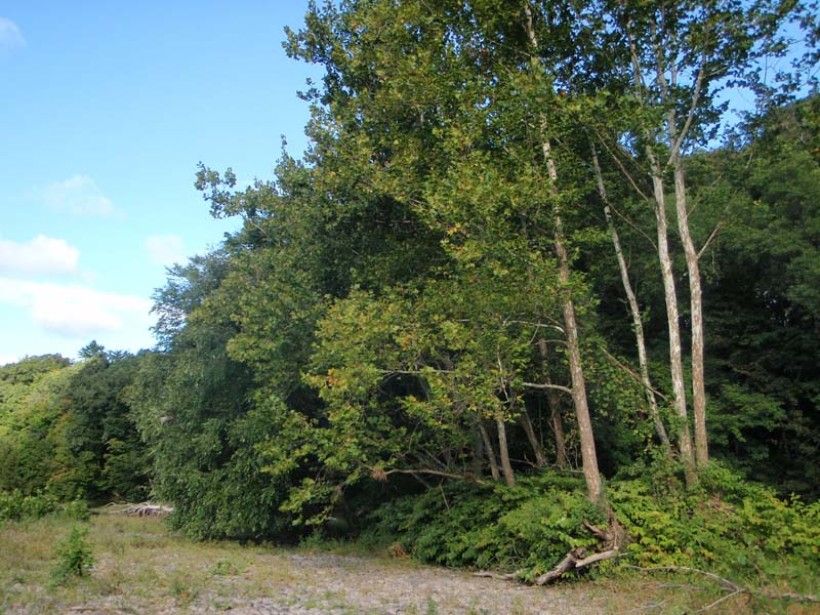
x,y
431,473
633,374
676,145
556,387
623,169
712,235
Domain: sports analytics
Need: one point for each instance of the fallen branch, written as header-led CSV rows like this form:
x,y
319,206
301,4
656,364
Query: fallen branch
x,y
731,586
574,560
147,509
577,559
510,576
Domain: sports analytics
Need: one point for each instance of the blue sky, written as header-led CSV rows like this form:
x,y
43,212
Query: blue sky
x,y
105,110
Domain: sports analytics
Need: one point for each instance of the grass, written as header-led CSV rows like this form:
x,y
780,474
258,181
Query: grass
x,y
141,567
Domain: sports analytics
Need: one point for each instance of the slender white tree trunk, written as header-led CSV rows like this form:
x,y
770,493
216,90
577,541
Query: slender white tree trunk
x,y
672,318
589,457
490,451
634,309
696,308
667,275
532,437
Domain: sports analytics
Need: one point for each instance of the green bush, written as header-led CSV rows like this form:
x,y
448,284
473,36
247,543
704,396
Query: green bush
x,y
77,510
15,506
727,525
74,558
529,526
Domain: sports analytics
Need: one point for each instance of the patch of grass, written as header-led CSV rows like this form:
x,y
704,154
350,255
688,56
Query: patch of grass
x,y
226,567
142,567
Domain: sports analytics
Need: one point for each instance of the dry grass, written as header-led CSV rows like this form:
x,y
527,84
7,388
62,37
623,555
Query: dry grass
x,y
142,568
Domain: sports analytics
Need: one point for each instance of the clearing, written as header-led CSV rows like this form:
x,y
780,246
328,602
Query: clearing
x,y
140,567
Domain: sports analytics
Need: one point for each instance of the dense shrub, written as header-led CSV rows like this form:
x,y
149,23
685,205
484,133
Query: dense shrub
x,y
529,526
727,525
15,506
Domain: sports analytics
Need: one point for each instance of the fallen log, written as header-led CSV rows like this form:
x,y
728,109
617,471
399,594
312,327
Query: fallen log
x,y
147,509
612,540
576,559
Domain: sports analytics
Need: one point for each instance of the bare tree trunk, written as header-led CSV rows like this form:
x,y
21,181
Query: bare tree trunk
x,y
634,310
667,275
477,461
490,451
554,405
506,467
537,449
696,306
589,456
672,317
557,424
676,136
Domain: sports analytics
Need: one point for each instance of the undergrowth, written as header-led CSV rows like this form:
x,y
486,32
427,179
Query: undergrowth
x,y
727,525
14,506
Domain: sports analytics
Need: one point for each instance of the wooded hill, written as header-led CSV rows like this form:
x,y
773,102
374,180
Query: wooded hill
x,y
533,275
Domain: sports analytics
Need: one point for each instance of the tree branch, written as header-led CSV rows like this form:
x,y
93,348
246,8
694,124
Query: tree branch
x,y
712,235
634,375
675,151
557,387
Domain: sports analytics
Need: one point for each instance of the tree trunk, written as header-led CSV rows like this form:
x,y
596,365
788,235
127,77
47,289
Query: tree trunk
x,y
490,451
589,458
537,449
479,453
554,405
634,310
506,467
667,275
696,304
672,317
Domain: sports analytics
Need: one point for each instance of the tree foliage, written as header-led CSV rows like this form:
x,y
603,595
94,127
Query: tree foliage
x,y
419,308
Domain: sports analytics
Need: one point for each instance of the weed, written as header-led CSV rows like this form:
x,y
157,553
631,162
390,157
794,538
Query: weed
x,y
225,568
74,558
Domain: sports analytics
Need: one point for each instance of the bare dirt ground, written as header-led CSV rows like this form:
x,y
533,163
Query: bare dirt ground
x,y
142,568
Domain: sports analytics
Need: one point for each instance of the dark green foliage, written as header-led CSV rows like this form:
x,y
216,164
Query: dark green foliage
x,y
762,305
728,525
106,458
193,405
66,429
528,527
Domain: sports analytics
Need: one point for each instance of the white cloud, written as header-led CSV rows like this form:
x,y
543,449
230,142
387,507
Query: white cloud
x,y
165,249
76,311
41,255
78,195
10,35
